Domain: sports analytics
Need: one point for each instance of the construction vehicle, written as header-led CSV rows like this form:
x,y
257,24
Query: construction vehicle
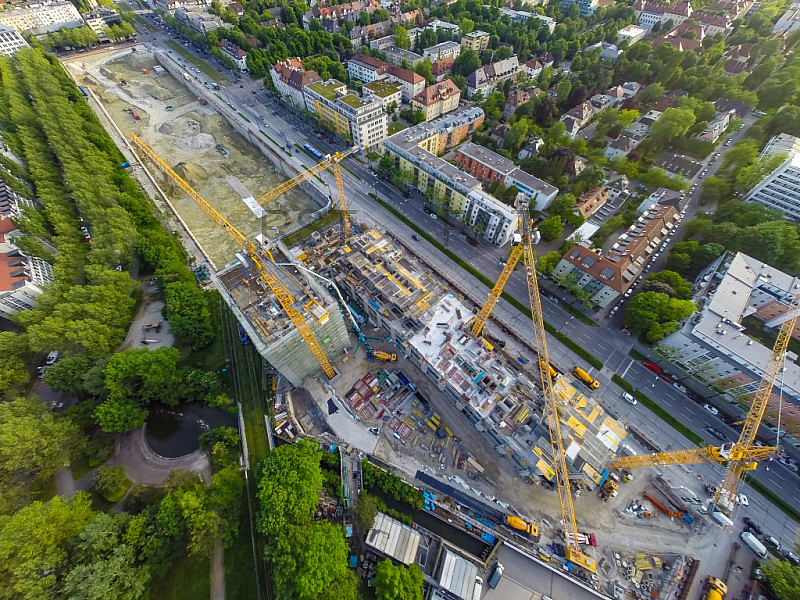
x,y
497,575
743,455
550,369
262,260
714,589
609,490
573,551
202,100
586,539
532,529
479,321
331,161
586,378
384,356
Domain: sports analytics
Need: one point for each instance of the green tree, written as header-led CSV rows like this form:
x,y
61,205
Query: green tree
x,y
188,315
372,156
651,93
680,287
547,263
111,482
401,38
563,205
715,190
466,26
365,511
142,375
33,545
425,69
467,63
306,560
287,491
551,228
656,315
674,123
397,582
13,354
742,154
783,578
516,136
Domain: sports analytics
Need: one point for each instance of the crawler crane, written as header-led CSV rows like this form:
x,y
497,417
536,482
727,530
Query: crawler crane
x,y
261,257
742,455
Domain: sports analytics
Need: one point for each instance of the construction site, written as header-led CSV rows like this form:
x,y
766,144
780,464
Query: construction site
x,y
400,367
142,97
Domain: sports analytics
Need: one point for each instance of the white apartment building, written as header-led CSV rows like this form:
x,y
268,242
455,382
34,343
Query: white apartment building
x,y
781,188
290,78
41,16
366,68
443,50
485,79
789,21
10,40
521,16
361,120
485,213
632,33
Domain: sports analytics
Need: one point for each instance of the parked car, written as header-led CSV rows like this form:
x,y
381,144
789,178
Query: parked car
x,y
753,525
716,433
651,366
712,409
773,542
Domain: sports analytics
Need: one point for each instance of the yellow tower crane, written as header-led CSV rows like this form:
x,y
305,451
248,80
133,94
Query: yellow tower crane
x,y
742,455
332,161
259,255
497,290
573,550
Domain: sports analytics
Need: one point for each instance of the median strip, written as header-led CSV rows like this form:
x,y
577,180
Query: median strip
x,y
489,283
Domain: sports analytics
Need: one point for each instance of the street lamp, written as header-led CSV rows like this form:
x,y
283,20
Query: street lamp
x,y
565,324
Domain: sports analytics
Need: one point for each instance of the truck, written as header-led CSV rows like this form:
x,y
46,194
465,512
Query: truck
x,y
385,356
756,546
586,539
550,369
532,529
591,382
714,589
497,575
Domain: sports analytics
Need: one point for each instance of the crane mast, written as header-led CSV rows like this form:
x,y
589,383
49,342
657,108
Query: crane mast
x,y
725,497
259,256
573,550
333,162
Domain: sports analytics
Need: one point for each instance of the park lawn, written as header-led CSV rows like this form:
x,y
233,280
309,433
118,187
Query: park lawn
x,y
188,578
200,64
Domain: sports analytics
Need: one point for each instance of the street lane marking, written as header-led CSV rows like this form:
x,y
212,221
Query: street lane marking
x,y
630,364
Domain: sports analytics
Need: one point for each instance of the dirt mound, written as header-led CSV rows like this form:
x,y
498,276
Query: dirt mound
x,y
135,61
200,141
166,129
158,92
191,172
110,75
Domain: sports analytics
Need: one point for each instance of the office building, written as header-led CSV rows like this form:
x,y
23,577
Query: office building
x,y
781,188
739,296
452,28
10,40
290,79
201,22
476,40
40,19
362,121
783,143
171,6
606,277
437,99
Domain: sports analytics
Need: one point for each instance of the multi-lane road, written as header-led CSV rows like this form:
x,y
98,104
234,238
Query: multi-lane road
x,y
605,341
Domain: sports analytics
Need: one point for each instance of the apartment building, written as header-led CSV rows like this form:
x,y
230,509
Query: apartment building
x,y
367,68
608,276
171,6
781,188
290,78
789,20
714,345
22,278
588,7
385,92
411,83
362,121
591,201
236,54
452,28
484,80
476,40
413,152
716,127
632,33
490,168
443,50
521,16
10,40
437,99
441,68
396,56
651,14
41,18
200,22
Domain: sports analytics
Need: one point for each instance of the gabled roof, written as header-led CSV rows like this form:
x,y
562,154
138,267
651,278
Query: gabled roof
x,y
438,92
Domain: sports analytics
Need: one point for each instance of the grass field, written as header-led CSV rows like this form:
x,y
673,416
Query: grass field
x,y
188,578
200,64
242,581
395,127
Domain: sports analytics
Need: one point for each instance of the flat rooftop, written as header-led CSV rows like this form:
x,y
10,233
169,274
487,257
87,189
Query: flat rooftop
x,y
491,159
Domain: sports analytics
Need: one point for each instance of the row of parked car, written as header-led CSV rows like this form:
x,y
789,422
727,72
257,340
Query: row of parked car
x,y
756,529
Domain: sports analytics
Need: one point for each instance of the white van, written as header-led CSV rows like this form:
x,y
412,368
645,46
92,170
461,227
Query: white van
x,y
756,546
476,593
